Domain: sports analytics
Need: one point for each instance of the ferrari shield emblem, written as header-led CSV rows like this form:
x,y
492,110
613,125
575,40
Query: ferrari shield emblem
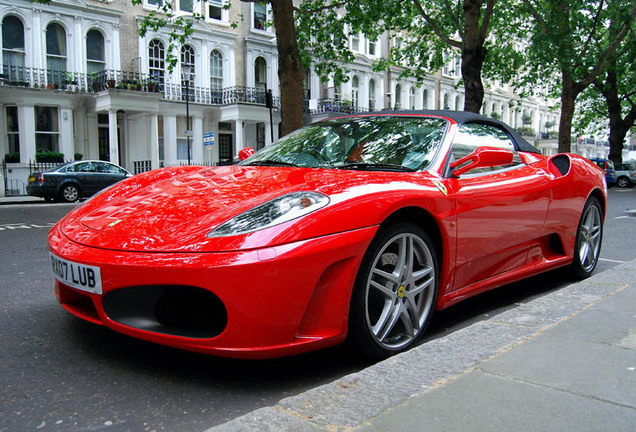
x,y
441,187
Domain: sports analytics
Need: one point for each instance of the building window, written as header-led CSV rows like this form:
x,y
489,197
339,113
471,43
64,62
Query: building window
x,y
372,48
412,98
398,96
95,51
156,60
155,3
46,129
187,59
12,42
260,73
355,92
55,53
260,16
13,132
216,70
307,84
371,95
425,99
186,5
355,42
215,9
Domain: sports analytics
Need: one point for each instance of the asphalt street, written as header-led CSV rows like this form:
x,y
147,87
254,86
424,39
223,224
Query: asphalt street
x,y
58,373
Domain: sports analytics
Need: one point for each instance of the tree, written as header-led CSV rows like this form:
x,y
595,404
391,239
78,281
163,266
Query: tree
x,y
290,70
578,38
611,100
429,30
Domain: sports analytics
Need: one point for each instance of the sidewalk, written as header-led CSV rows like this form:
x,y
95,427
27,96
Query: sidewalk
x,y
562,362
22,199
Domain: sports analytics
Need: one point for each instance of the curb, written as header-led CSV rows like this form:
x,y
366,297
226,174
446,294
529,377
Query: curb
x,y
351,400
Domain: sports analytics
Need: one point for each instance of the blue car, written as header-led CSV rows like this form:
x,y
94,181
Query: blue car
x,y
608,167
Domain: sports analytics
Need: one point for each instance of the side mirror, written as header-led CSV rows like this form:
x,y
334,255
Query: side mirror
x,y
482,157
245,153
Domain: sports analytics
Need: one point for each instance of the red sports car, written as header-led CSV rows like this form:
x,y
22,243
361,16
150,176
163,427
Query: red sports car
x,y
354,228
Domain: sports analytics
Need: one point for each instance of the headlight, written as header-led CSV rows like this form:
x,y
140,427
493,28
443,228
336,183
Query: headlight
x,y
274,212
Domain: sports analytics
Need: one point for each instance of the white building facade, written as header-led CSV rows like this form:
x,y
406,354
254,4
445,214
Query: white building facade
x,y
78,80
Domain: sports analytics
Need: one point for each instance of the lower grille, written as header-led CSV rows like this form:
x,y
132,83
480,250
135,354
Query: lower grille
x,y
169,309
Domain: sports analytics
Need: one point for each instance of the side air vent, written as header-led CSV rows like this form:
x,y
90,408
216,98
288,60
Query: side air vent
x,y
560,165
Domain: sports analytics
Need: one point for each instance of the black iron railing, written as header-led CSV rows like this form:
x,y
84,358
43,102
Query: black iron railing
x,y
46,79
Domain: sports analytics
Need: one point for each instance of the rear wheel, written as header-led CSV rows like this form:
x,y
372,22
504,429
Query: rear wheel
x,y
589,236
395,291
623,182
69,193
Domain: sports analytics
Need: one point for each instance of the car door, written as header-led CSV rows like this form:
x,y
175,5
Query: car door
x,y
107,174
500,210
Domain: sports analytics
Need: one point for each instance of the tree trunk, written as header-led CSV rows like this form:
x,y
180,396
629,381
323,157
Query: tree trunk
x,y
473,55
568,96
618,125
290,70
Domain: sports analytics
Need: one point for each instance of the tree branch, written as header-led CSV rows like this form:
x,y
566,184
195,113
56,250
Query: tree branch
x,y
434,26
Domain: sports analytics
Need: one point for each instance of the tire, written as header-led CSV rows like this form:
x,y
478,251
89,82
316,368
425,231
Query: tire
x,y
623,182
69,193
589,236
394,293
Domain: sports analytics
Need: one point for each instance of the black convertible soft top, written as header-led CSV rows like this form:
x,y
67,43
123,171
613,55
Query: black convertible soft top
x,y
461,117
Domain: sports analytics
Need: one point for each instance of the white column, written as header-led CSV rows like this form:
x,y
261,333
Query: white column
x,y
239,142
113,143
66,143
26,126
170,139
154,141
197,139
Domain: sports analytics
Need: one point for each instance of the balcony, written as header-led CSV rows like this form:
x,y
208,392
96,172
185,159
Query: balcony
x,y
107,80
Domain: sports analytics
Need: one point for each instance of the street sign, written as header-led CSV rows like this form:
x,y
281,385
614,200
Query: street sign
x,y
188,132
208,139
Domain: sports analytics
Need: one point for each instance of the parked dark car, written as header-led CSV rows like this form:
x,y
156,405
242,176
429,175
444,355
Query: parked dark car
x,y
75,180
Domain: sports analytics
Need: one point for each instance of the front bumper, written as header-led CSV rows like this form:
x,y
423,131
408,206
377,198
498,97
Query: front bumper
x,y
278,301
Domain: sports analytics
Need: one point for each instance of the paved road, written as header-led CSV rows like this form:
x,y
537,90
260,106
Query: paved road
x,y
58,373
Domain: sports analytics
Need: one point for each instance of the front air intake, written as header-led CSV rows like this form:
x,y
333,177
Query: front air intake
x,y
169,309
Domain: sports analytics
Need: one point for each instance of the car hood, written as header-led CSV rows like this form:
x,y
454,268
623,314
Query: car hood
x,y
173,209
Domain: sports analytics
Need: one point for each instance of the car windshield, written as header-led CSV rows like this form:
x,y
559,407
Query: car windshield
x,y
369,143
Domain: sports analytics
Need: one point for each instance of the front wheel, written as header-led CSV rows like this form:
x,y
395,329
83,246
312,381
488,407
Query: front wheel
x,y
394,292
589,236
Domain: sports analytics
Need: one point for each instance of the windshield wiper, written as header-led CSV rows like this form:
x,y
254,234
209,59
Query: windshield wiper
x,y
367,166
270,162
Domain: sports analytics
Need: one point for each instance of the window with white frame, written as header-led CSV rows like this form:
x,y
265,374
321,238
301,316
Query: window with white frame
x,y
259,16
372,48
187,60
216,70
215,10
260,73
453,65
425,99
398,96
355,42
95,51
55,51
355,91
371,94
12,41
156,60
154,3
185,5
47,129
412,97
13,131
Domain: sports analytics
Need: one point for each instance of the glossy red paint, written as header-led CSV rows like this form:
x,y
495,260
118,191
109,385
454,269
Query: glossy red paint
x,y
287,288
